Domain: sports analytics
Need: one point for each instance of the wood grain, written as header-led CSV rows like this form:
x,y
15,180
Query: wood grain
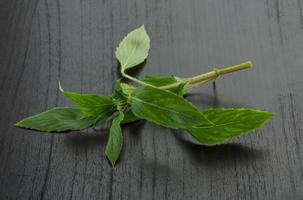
x,y
44,41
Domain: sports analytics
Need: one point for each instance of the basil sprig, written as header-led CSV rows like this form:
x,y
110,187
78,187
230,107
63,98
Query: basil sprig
x,y
158,99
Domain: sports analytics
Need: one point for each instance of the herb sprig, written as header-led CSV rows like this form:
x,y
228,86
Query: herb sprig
x,y
158,99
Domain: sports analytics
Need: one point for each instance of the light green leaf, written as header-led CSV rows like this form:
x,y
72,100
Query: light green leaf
x,y
133,49
165,108
228,123
91,104
125,88
57,120
115,140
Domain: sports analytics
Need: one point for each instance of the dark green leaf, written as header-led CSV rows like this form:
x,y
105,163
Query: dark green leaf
x,y
58,120
181,89
165,108
129,117
115,140
133,49
91,104
121,97
120,100
159,81
228,123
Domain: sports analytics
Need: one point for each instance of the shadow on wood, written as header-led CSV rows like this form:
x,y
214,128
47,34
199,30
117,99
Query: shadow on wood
x,y
207,100
215,155
84,140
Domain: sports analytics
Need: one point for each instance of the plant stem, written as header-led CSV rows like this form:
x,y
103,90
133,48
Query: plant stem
x,y
133,79
197,80
212,75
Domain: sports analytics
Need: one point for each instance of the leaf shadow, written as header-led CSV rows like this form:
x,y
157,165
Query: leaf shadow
x,y
217,155
97,138
160,171
211,100
133,130
134,71
87,140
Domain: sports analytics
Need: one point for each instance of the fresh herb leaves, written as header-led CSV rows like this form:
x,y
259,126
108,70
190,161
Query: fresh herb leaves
x,y
115,140
165,108
159,81
158,99
58,120
228,123
91,104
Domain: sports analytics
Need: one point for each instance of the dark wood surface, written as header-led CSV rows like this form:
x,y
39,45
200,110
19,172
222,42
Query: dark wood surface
x,y
44,41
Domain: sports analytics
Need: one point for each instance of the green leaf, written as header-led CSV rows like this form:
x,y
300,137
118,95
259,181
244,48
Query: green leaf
x,y
228,123
120,97
126,88
115,140
120,100
181,89
91,104
129,117
165,108
133,49
159,81
57,120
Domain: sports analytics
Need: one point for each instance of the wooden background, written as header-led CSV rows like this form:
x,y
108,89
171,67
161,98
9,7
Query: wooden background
x,y
44,41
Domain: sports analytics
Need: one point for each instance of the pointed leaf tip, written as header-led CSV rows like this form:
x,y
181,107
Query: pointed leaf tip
x,y
91,104
115,141
229,123
57,120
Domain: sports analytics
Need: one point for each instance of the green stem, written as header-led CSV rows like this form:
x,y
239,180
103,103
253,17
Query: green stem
x,y
212,75
133,79
197,80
